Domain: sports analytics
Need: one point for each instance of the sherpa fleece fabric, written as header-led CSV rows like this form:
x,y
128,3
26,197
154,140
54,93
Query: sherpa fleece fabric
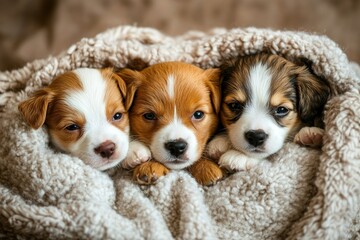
x,y
302,194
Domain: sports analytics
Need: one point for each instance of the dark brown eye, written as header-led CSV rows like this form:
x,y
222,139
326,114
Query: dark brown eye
x,y
198,115
235,106
281,111
117,116
72,127
150,116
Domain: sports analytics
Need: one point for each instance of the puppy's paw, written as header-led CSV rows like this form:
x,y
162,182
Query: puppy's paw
x,y
234,160
206,172
149,172
310,136
218,146
137,154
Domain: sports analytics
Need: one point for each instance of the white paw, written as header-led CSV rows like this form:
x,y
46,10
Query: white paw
x,y
137,154
234,160
309,136
218,146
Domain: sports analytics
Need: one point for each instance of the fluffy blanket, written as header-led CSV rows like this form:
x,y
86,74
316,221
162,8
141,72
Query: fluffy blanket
x,y
302,194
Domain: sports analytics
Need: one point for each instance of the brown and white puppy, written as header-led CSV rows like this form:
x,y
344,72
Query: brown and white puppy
x,y
85,112
266,101
174,113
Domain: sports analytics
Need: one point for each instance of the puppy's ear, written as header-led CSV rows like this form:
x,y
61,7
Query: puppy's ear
x,y
35,108
132,80
213,82
313,93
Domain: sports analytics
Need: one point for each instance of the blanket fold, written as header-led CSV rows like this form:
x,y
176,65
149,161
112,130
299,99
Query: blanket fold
x,y
302,193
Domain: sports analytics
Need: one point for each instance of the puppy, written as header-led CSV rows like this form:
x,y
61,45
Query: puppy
x,y
174,113
85,112
266,101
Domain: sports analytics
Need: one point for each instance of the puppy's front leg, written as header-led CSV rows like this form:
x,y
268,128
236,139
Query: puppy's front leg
x,y
149,172
206,172
310,136
218,146
234,160
137,154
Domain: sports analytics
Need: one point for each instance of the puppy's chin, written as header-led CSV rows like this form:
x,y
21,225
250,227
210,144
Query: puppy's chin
x,y
109,164
258,154
172,162
100,163
177,165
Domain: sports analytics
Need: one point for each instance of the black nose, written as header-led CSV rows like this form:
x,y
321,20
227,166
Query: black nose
x,y
256,137
176,148
106,149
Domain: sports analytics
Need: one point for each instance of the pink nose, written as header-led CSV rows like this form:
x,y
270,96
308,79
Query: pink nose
x,y
106,149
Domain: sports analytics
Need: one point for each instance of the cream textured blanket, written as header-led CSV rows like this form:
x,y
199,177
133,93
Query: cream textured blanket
x,y
302,194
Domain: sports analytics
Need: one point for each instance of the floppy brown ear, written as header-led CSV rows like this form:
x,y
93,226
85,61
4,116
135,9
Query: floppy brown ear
x,y
214,85
131,80
313,93
34,109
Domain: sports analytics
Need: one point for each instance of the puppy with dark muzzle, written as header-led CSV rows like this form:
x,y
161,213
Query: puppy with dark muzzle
x,y
266,101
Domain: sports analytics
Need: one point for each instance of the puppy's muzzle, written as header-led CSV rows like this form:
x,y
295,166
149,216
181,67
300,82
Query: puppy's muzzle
x,y
177,147
256,137
105,149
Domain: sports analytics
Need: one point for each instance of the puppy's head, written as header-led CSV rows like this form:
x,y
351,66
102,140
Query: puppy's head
x,y
266,99
174,110
85,111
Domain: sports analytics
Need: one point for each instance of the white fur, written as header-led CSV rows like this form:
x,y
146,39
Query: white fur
x,y
234,160
218,146
256,117
171,86
173,131
91,103
137,154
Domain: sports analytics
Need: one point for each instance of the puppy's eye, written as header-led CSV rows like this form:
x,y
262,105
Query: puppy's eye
x,y
198,115
235,106
281,111
72,127
149,116
117,116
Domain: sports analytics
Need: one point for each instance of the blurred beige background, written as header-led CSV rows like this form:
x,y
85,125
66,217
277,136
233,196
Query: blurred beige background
x,y
32,29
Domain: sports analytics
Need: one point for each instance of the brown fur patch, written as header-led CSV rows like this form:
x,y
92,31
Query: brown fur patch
x,y
206,172
36,108
59,114
149,172
114,98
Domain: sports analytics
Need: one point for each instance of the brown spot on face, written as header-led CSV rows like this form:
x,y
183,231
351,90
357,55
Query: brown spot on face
x,y
291,120
36,108
60,115
114,100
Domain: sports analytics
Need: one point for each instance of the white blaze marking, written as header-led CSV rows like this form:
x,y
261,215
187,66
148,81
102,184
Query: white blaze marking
x,y
171,86
259,83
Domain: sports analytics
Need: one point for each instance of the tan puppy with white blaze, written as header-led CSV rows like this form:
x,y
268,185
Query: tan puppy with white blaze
x,y
174,113
85,112
266,101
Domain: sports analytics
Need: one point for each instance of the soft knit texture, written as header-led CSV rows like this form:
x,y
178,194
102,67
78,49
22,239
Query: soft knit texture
x,y
301,193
